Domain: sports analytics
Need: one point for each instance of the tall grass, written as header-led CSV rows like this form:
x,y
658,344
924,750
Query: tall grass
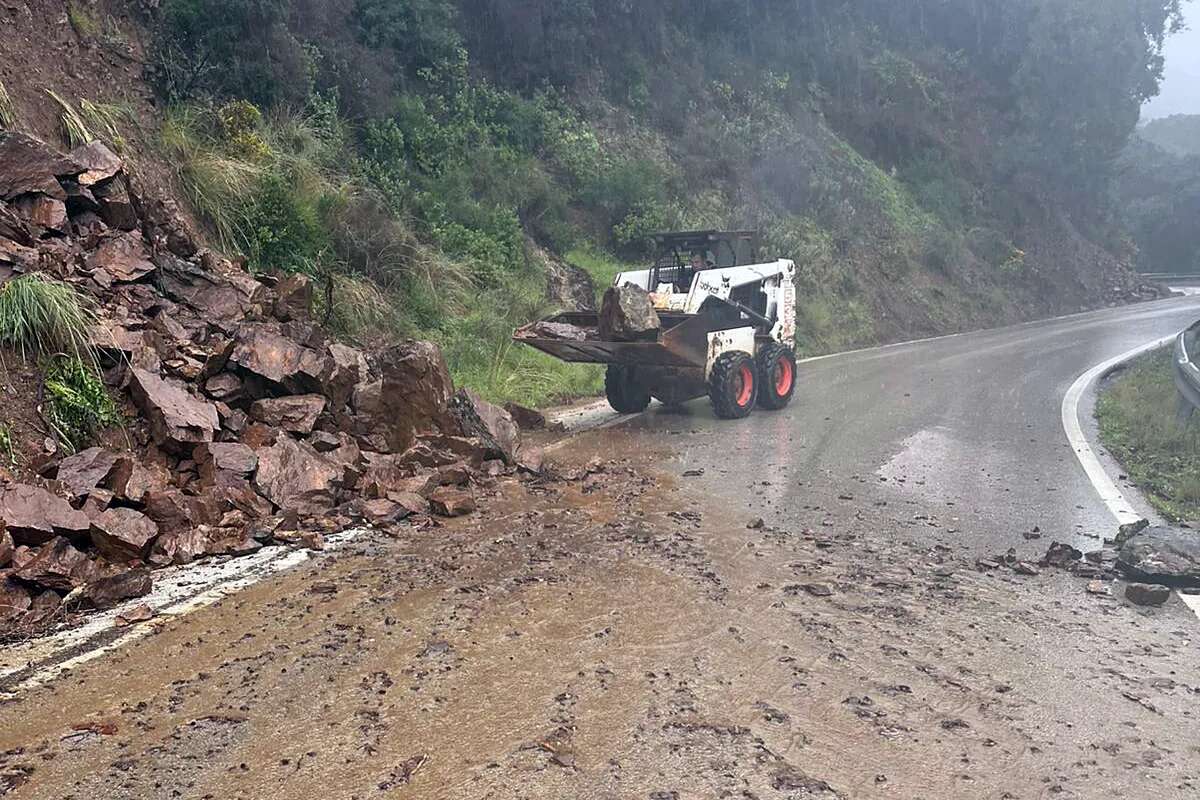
x,y
106,119
8,110
1138,424
40,315
75,130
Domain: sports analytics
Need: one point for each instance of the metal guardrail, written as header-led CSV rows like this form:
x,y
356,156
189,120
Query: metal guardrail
x,y
1187,375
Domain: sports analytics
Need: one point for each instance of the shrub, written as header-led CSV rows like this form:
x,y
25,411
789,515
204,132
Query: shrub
x,y
41,315
77,402
74,129
283,227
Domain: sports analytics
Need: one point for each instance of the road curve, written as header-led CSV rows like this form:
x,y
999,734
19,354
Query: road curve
x,y
968,428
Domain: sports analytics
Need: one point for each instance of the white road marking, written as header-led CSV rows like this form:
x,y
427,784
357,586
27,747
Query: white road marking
x,y
1114,499
177,591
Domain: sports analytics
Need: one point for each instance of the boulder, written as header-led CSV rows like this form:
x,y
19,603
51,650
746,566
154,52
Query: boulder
x,y
382,511
123,534
292,474
89,469
552,330
447,501
116,204
33,516
181,546
14,228
109,591
349,369
1162,555
414,393
177,419
143,479
491,425
46,213
569,287
297,413
15,598
225,386
527,419
264,351
125,257
293,297
226,456
1147,594
28,165
627,315
169,508
57,565
98,162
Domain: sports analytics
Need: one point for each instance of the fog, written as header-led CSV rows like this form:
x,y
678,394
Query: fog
x,y
1181,84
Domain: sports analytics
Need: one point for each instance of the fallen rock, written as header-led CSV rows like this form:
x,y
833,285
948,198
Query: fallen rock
x,y
177,419
15,598
123,534
233,458
297,413
490,424
33,516
1147,594
180,546
291,471
133,616
449,502
109,591
125,257
57,565
98,162
1060,555
28,165
46,213
557,331
414,392
627,315
1162,555
527,419
263,350
225,386
382,510
116,204
293,297
86,470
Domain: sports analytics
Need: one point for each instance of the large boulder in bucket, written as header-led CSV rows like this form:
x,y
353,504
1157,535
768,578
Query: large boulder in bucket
x,y
627,315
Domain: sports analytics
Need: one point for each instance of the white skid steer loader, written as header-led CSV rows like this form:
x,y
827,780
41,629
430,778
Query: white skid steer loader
x,y
727,326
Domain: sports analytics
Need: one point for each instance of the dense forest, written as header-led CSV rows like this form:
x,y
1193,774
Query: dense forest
x,y
1158,191
931,165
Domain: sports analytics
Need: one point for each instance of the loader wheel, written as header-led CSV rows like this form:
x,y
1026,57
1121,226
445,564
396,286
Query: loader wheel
x,y
733,385
776,375
624,394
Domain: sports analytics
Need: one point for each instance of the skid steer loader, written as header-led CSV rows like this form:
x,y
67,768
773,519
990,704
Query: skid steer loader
x,y
727,325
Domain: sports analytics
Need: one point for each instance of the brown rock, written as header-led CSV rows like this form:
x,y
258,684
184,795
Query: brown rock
x,y
34,516
123,534
297,413
325,442
294,297
381,511
1147,594
116,204
47,213
415,392
99,163
560,331
349,369
86,470
227,457
627,315
57,565
490,424
225,386
14,228
143,479
15,598
28,165
177,419
181,546
263,351
448,502
124,256
257,436
133,616
530,460
527,419
109,591
292,473
98,500
6,548
411,502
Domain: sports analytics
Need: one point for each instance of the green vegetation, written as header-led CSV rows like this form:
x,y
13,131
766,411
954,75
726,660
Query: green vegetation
x,y
8,110
1138,424
78,404
81,20
406,152
1159,191
1178,134
6,444
40,315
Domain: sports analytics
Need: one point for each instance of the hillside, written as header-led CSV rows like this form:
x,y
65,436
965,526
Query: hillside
x,y
1178,134
1158,192
930,167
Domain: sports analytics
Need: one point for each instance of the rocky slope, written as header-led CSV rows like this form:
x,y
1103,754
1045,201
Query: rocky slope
x,y
247,424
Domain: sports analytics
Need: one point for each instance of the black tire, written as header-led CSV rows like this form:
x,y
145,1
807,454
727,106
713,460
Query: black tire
x,y
623,392
733,385
776,376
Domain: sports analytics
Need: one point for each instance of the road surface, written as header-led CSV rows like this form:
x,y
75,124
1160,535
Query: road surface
x,y
635,631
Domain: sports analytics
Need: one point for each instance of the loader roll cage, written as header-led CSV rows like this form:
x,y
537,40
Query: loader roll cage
x,y
673,264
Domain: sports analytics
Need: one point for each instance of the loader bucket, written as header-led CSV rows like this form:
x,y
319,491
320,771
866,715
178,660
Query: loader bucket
x,y
681,343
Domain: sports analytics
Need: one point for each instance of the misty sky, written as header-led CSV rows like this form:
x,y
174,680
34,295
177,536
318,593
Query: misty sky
x,y
1181,86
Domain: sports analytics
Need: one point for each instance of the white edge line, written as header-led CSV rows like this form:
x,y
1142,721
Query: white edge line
x,y
1114,499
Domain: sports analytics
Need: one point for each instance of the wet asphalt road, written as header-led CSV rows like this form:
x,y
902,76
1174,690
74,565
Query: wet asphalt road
x,y
967,429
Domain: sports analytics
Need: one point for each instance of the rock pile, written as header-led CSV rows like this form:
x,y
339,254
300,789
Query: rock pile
x,y
258,427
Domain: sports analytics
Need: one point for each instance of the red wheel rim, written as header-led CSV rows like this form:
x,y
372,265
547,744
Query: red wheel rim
x,y
785,374
746,390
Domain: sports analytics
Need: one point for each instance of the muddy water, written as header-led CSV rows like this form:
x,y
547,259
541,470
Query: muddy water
x,y
616,636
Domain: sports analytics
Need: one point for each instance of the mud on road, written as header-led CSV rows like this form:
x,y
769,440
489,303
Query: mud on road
x,y
618,634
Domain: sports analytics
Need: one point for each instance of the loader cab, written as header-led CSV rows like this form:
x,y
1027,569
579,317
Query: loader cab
x,y
681,255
